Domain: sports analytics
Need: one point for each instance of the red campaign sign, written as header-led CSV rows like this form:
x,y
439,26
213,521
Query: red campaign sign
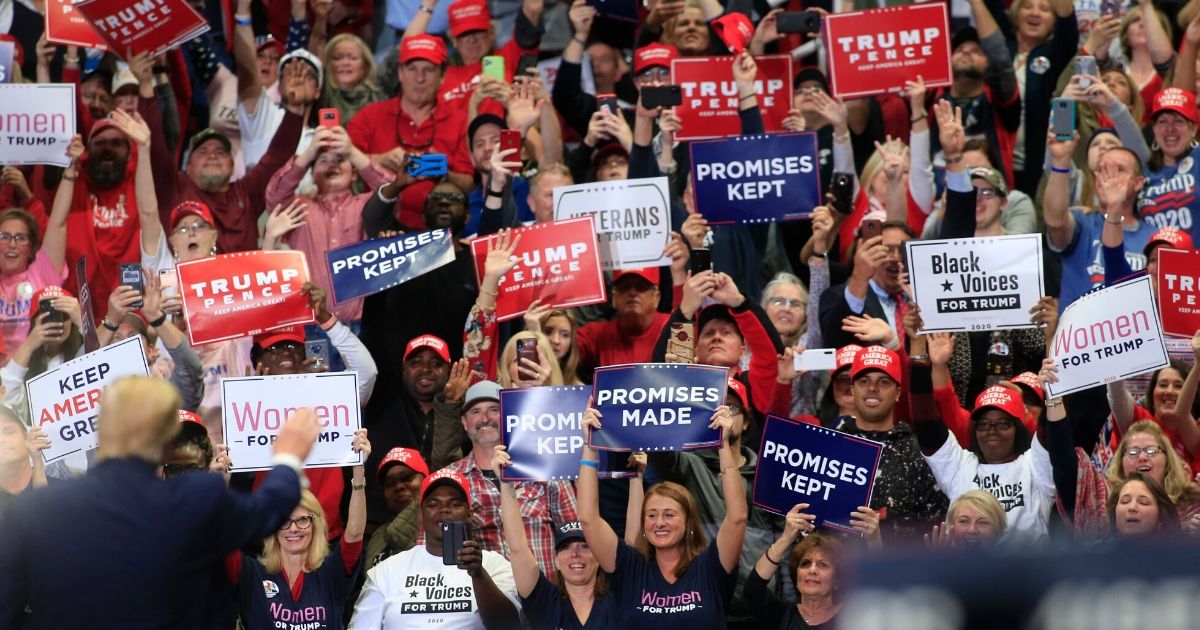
x,y
242,294
558,264
1178,293
710,97
152,26
876,51
65,25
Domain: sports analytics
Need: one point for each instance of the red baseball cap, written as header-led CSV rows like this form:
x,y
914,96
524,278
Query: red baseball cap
x,y
269,41
1030,380
469,15
739,389
612,148
845,356
406,456
428,341
654,56
425,47
735,30
649,274
269,338
1172,237
103,124
1002,398
191,206
1176,100
443,476
190,416
51,291
877,358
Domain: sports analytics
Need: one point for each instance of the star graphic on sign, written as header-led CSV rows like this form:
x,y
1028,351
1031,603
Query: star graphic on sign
x,y
946,286
413,594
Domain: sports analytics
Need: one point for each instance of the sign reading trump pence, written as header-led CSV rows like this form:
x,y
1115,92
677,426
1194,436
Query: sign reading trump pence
x,y
986,283
254,408
242,294
753,179
1179,291
710,97
136,26
632,217
876,51
1106,335
37,121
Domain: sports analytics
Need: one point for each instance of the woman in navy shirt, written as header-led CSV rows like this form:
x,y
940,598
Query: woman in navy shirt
x,y
298,581
674,578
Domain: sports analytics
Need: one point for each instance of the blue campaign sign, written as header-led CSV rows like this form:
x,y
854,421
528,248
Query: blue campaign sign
x,y
831,471
544,436
752,179
376,265
657,406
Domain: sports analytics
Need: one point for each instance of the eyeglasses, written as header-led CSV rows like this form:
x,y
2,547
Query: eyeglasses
x,y
448,197
174,470
302,522
812,89
199,226
983,426
782,302
288,347
736,410
18,238
986,193
1150,451
656,73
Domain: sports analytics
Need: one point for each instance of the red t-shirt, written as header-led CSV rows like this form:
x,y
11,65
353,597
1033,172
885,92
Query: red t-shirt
x,y
103,225
601,343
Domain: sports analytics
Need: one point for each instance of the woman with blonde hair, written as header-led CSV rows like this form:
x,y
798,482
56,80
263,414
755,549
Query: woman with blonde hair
x,y
559,326
349,76
516,371
974,518
297,571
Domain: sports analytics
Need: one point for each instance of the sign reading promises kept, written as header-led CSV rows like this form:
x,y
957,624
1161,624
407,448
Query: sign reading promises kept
x,y
752,179
376,265
876,51
543,432
632,217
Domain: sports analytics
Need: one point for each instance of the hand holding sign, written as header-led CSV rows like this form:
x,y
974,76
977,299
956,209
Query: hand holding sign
x,y
865,521
500,460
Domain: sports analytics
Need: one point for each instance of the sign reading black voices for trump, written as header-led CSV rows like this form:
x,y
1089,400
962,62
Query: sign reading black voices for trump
x,y
657,406
752,179
986,283
543,432
377,265
831,471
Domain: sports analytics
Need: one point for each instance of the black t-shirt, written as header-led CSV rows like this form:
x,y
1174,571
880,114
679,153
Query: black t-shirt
x,y
642,598
266,601
547,608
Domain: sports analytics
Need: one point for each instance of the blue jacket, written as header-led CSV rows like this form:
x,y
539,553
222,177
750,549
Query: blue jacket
x,y
121,548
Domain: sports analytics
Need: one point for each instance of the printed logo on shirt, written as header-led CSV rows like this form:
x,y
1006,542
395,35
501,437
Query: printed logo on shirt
x,y
1010,495
271,589
307,618
463,90
1168,202
15,310
105,218
1136,261
429,594
657,604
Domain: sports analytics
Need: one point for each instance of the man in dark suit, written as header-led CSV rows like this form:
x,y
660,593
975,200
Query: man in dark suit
x,y
123,548
874,289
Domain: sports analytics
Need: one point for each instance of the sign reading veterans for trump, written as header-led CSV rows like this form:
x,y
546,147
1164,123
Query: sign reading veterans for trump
x,y
65,25
753,179
1179,291
657,406
543,432
632,217
558,263
65,401
986,283
136,26
877,50
831,471
243,294
254,408
1106,335
710,96
37,121
376,265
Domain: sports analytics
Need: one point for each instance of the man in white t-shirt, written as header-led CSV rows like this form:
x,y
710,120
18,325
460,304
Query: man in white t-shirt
x,y
415,589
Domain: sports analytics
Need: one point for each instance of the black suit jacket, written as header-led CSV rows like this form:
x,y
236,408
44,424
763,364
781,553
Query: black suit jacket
x,y
834,309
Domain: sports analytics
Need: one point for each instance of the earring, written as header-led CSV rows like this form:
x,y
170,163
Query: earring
x,y
1154,146
1194,143
213,251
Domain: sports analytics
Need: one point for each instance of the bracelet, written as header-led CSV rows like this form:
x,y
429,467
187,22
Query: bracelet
x,y
748,96
71,61
158,321
767,555
894,343
919,359
425,9
917,119
358,484
1062,171
491,193
954,160
842,139
161,69
491,293
581,42
104,323
72,177
1052,403
1119,220
241,21
725,470
590,463
822,256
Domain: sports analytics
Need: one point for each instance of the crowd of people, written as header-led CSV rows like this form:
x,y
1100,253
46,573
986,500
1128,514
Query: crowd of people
x,y
297,124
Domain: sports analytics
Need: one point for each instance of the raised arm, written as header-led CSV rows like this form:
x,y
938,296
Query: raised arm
x,y
55,241
147,200
356,517
249,82
1060,223
733,527
520,554
1185,65
1158,40
1182,420
420,21
600,537
637,495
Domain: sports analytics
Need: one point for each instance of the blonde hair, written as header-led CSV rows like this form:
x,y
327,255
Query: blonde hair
x,y
668,26
1136,16
570,363
318,544
368,58
983,502
1016,7
1177,481
694,541
138,416
510,354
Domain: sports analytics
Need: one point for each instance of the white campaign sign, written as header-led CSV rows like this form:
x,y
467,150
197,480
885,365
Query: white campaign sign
x,y
254,408
37,121
632,217
7,49
65,401
986,283
1107,335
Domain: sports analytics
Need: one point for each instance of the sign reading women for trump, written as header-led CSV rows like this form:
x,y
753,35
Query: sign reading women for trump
x,y
657,406
37,121
377,265
557,263
710,96
1179,291
633,219
136,26
242,294
65,401
876,51
831,471
254,408
986,283
753,179
543,432
1106,335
